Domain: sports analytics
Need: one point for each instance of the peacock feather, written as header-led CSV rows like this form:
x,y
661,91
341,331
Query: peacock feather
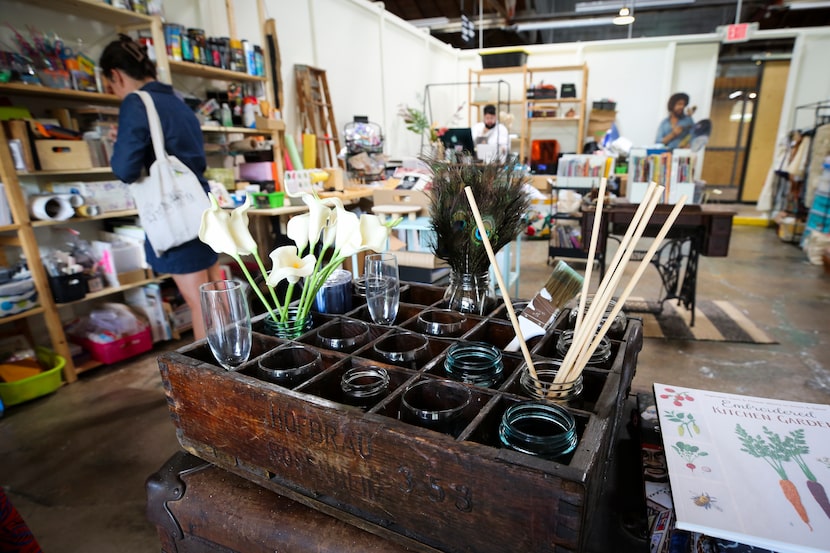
x,y
498,189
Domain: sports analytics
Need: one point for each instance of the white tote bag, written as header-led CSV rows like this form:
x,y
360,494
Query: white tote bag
x,y
171,200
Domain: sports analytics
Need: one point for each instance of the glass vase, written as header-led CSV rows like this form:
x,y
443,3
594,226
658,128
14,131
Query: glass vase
x,y
291,328
468,292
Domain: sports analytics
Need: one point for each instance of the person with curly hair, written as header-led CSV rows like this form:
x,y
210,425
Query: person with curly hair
x,y
675,131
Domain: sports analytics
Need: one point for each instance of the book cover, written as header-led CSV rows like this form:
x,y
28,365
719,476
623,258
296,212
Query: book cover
x,y
748,469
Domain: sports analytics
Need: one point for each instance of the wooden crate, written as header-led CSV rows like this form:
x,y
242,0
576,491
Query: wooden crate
x,y
426,490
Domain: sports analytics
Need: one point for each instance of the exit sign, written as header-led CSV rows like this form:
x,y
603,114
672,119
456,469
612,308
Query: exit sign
x,y
739,32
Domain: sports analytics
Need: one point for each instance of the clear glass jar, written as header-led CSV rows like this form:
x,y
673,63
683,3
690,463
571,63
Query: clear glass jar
x,y
435,404
403,348
290,365
441,322
541,429
475,363
468,292
544,385
364,386
617,328
600,356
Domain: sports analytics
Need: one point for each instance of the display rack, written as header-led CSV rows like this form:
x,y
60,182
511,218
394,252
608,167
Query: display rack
x,y
23,233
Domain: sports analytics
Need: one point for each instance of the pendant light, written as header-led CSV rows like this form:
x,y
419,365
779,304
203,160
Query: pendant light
x,y
624,17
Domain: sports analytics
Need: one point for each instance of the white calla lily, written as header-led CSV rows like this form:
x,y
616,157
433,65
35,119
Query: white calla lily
x,y
297,230
318,217
374,232
287,265
215,229
348,240
245,243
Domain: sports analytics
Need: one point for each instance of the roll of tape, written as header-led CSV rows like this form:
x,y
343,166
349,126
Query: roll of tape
x,y
74,199
51,208
88,210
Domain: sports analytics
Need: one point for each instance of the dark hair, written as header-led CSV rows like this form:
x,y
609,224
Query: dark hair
x,y
128,56
676,98
489,109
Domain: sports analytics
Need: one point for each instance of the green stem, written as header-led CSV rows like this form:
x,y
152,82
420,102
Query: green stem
x,y
265,274
255,287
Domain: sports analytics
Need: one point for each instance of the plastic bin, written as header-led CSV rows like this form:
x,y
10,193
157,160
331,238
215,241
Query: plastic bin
x,y
514,58
266,200
36,386
118,350
67,288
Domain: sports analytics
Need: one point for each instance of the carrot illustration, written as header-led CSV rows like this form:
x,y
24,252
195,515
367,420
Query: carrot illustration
x,y
796,447
775,457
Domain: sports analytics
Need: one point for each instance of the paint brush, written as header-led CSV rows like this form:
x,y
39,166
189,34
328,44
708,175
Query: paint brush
x,y
563,285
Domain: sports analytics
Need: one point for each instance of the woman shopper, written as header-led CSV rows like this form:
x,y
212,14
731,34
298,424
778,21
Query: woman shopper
x,y
126,68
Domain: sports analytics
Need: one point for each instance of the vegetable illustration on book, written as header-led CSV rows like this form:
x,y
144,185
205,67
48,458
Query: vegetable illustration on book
x,y
706,501
776,451
685,422
679,397
689,453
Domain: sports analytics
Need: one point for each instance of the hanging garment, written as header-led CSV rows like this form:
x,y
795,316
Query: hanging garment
x,y
820,150
780,157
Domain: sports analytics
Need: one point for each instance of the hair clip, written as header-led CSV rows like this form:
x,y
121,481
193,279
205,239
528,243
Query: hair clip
x,y
133,48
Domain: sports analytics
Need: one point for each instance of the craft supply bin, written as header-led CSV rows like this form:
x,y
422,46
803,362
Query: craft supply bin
x,y
427,490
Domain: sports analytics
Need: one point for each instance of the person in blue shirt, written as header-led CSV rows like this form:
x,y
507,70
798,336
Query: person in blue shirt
x,y
675,131
126,68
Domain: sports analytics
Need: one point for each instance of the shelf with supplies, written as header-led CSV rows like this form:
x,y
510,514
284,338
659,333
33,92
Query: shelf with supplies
x,y
19,89
578,175
208,72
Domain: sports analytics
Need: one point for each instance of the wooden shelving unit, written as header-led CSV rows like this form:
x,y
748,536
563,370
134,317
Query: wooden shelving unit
x,y
21,234
518,80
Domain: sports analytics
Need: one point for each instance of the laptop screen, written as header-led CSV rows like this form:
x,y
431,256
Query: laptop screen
x,y
459,139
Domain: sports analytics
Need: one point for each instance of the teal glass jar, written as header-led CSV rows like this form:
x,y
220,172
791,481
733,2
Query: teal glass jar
x,y
475,363
540,429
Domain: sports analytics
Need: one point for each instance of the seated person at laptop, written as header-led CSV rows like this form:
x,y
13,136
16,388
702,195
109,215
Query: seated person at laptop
x,y
490,131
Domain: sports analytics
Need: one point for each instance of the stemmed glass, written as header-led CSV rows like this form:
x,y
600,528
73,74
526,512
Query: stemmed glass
x,y
227,322
382,287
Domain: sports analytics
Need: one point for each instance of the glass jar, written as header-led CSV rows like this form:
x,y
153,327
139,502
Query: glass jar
x,y
364,386
468,292
617,328
290,365
600,356
475,363
343,335
544,385
435,404
403,348
291,328
441,322
541,429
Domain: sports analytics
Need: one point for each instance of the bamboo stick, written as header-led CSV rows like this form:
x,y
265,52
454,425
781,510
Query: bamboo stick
x,y
584,333
502,286
582,361
592,251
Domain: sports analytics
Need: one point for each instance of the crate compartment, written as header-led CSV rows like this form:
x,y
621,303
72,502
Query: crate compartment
x,y
421,294
346,331
510,365
546,347
441,395
434,348
486,432
593,385
328,386
497,332
406,311
416,325
327,360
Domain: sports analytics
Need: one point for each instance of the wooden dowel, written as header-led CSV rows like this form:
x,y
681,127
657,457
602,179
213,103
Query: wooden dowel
x,y
502,286
592,251
606,291
582,361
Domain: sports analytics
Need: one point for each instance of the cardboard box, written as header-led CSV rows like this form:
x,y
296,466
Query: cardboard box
x,y
61,155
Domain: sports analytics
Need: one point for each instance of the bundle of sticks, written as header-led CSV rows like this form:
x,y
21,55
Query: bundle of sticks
x,y
587,331
586,336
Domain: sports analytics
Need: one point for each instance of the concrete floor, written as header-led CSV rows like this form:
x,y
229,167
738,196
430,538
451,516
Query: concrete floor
x,y
74,463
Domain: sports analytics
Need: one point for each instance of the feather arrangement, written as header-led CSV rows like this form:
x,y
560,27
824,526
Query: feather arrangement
x,y
498,189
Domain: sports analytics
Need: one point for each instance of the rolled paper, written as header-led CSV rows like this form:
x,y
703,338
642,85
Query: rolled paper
x,y
287,159
310,150
292,152
51,208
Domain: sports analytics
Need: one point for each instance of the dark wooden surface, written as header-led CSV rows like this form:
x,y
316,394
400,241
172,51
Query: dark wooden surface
x,y
419,488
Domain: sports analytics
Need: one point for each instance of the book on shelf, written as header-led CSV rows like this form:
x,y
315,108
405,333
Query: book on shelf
x,y
748,469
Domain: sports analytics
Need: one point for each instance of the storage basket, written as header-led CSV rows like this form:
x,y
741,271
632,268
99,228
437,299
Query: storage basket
x,y
36,386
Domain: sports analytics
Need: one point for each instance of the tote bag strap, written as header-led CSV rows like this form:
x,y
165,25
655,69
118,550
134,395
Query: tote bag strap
x,y
156,134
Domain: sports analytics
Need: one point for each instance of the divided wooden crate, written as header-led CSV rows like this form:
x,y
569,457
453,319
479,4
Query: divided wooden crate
x,y
426,490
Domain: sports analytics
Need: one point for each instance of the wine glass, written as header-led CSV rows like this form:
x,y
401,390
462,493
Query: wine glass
x,y
227,322
382,287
